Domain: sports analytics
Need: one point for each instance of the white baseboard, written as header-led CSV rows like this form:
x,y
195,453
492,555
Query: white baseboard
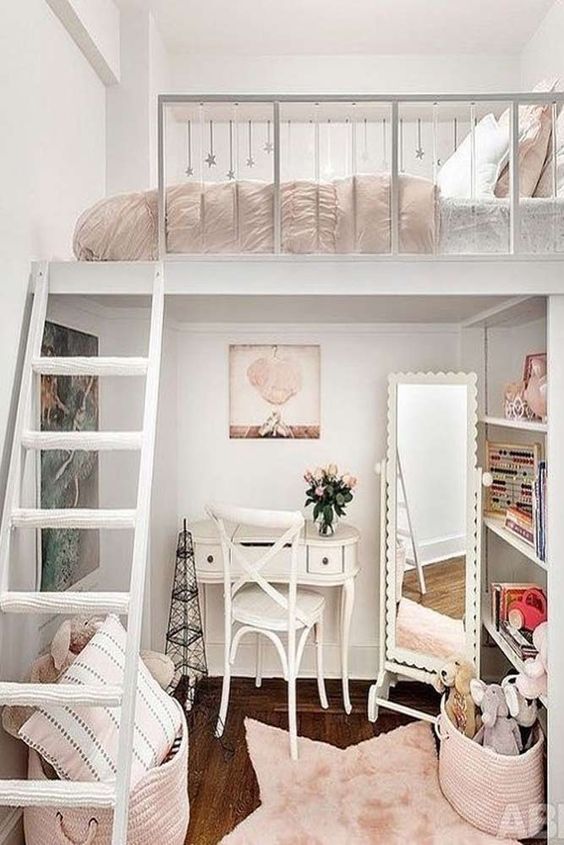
x,y
9,835
363,661
442,548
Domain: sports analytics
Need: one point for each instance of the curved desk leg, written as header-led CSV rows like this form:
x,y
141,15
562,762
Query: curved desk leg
x,y
347,603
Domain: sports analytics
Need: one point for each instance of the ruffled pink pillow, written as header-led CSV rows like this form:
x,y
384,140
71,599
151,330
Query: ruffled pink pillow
x,y
534,135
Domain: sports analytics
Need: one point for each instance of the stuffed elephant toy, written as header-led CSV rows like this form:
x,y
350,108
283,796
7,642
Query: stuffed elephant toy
x,y
500,731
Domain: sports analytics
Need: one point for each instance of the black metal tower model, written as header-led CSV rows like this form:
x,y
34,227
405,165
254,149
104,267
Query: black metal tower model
x,y
185,636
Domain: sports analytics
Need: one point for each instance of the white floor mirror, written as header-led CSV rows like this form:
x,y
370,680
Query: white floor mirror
x,y
431,489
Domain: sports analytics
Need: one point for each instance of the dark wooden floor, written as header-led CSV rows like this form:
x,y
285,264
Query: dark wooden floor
x,y
445,582
223,787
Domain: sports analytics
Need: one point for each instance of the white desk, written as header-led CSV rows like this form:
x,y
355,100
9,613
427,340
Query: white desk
x,y
322,562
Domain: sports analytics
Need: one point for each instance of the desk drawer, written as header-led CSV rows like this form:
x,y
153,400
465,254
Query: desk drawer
x,y
279,564
328,561
209,557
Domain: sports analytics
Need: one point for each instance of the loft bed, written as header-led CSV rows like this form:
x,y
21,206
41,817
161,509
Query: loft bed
x,y
421,176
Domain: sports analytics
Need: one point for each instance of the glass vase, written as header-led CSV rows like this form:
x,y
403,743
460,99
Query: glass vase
x,y
325,528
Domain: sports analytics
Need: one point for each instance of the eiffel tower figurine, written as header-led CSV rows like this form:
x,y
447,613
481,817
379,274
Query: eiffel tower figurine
x,y
185,635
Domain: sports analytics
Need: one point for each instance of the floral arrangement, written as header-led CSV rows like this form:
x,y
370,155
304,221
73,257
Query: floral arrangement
x,y
329,492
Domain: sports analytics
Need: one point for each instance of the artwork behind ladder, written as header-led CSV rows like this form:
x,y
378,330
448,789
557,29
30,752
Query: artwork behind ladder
x,y
274,391
68,479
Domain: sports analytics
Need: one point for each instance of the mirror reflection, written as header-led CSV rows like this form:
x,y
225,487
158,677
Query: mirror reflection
x,y
430,518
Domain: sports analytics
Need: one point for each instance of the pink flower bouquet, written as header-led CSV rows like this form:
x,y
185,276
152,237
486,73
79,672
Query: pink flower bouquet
x,y
329,492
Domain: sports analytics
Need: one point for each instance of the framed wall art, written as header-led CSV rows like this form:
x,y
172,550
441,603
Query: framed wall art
x,y
274,392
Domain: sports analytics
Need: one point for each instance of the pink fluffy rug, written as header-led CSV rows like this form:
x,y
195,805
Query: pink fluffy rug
x,y
384,790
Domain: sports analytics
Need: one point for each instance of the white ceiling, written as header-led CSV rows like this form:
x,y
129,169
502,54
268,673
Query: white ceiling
x,y
325,27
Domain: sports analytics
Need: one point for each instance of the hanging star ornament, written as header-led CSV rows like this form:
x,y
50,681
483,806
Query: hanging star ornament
x,y
268,147
189,171
250,162
210,160
231,174
419,153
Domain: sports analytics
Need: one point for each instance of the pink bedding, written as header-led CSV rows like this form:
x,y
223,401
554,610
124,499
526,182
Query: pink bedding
x,y
349,215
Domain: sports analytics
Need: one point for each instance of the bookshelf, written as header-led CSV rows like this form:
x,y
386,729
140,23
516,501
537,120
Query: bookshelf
x,y
518,425
513,658
496,526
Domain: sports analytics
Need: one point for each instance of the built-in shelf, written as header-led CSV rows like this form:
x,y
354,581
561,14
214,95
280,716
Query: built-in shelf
x,y
497,527
520,425
513,658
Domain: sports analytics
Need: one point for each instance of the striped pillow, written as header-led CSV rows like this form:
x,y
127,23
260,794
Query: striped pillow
x,y
81,743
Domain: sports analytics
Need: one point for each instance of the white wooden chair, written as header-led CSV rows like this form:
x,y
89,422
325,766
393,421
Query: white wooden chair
x,y
261,608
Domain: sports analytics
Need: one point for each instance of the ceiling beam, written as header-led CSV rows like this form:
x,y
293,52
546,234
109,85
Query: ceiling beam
x,y
95,28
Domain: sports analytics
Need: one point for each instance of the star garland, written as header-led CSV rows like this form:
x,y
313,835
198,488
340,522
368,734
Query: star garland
x,y
419,152
231,171
268,146
189,169
210,158
250,159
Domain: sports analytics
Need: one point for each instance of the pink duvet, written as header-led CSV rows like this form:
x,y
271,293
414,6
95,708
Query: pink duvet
x,y
349,215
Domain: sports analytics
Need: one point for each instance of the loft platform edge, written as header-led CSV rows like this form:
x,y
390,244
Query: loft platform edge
x,y
295,276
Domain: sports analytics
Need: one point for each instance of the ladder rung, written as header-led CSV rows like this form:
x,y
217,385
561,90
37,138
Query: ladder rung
x,y
56,793
88,441
67,602
36,695
90,366
73,518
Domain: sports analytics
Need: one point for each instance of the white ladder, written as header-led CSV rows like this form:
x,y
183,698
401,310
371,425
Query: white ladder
x,y
25,793
408,532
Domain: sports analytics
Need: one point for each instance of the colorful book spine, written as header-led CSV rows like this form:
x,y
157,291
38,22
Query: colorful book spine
x,y
520,523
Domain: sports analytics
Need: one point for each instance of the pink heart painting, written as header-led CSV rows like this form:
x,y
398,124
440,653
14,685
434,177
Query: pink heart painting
x,y
384,791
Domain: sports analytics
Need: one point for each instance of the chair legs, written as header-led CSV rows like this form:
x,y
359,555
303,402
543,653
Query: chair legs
x,y
292,715
224,694
258,673
319,664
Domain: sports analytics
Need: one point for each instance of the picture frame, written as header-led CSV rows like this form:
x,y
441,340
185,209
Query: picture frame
x,y
274,392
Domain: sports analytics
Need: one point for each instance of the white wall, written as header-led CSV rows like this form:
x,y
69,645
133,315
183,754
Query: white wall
x,y
432,437
346,74
355,362
543,56
132,105
53,151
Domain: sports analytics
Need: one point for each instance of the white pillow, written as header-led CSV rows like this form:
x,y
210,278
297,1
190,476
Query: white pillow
x,y
491,153
81,743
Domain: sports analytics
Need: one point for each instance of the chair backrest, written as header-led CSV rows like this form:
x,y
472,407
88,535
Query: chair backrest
x,y
285,525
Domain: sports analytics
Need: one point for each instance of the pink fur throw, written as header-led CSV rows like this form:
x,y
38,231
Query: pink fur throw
x,y
384,791
423,629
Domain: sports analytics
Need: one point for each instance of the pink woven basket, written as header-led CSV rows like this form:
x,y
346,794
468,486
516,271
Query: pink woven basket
x,y
158,810
499,794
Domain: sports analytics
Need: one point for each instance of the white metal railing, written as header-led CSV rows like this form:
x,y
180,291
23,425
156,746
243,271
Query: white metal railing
x,y
395,103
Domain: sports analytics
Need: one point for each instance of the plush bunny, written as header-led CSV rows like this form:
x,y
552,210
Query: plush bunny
x,y
524,710
532,682
499,731
68,642
456,676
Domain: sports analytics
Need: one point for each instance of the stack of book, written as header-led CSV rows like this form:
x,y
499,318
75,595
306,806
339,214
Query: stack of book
x,y
520,522
520,642
503,595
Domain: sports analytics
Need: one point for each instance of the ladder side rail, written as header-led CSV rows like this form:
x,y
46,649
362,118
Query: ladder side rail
x,y
33,350
413,536
139,564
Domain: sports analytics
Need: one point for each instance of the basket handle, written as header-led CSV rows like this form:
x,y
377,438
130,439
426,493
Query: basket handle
x,y
442,734
90,833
